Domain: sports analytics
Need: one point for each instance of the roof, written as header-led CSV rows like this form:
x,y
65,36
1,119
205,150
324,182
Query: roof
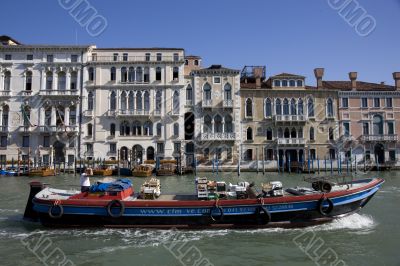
x,y
139,49
287,75
5,40
215,69
360,86
192,57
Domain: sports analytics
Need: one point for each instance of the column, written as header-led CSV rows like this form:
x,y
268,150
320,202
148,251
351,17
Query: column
x,y
1,117
68,80
41,116
78,80
66,116
53,116
55,81
43,80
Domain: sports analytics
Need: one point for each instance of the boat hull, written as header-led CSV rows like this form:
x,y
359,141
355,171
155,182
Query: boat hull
x,y
281,212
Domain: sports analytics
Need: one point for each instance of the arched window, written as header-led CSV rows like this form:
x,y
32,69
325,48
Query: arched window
x,y
123,101
331,136
207,126
158,73
28,81
299,83
249,133
293,109
125,129
176,130
89,129
249,107
124,74
47,116
312,133
112,129
285,107
131,74
310,107
139,101
196,62
27,116
49,80
175,103
284,83
189,94
378,125
228,92
131,101
277,83
91,73
278,106
175,73
137,128
139,74
148,128
207,92
329,107
300,107
113,101
146,102
218,124
6,110
146,74
280,132
300,133
158,102
292,83
286,134
268,107
186,62
72,115
62,81
228,124
113,74
159,129
269,134
293,133
74,81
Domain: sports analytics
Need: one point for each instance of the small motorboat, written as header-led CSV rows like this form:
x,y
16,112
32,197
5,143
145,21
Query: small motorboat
x,y
143,170
166,168
215,205
151,189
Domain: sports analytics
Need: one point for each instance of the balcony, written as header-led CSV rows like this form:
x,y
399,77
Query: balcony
x,y
133,113
58,93
218,136
23,129
89,113
111,113
143,58
157,112
227,103
283,141
290,118
47,129
4,129
207,103
140,82
26,93
60,129
387,137
5,93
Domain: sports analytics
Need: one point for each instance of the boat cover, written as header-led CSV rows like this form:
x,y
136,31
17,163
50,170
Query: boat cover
x,y
119,185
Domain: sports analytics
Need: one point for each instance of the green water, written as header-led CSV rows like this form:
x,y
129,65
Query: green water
x,y
371,237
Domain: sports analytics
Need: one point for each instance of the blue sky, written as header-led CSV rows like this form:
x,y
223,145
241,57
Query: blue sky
x,y
292,36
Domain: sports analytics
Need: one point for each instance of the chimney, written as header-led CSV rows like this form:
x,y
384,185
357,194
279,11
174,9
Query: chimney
x,y
396,77
257,73
353,78
319,73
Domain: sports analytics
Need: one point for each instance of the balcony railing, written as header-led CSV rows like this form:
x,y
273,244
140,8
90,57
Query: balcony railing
x,y
135,82
290,118
227,103
133,112
218,136
58,92
142,58
387,137
157,112
189,102
88,113
207,103
5,93
49,129
283,141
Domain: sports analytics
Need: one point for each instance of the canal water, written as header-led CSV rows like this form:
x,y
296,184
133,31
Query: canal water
x,y
371,237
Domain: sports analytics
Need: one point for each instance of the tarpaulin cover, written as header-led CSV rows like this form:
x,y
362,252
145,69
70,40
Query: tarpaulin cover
x,y
119,185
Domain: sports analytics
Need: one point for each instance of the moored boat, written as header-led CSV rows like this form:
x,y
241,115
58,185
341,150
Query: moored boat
x,y
102,172
143,171
42,172
166,169
215,205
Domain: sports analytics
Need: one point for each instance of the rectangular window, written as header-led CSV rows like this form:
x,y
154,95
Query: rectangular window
x,y
3,141
25,141
367,155
217,80
364,102
147,59
29,57
390,127
113,147
346,129
89,148
160,147
124,57
46,159
74,58
8,57
389,102
177,147
332,154
50,58
312,154
345,102
365,128
71,142
3,159
176,57
71,159
159,57
46,141
377,102
115,57
392,155
94,57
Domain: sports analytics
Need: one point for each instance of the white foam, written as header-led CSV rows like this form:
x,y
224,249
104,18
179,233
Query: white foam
x,y
352,222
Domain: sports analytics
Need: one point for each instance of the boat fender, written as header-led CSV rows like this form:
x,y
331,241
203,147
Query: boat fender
x,y
321,210
56,215
219,217
115,203
263,214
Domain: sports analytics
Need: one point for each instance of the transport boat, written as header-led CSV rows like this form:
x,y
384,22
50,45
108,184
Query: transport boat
x,y
102,172
143,170
166,169
214,205
42,172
